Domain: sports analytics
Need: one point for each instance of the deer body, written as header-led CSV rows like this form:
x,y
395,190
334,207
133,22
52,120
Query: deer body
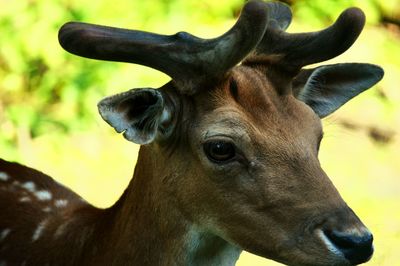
x,y
76,233
229,160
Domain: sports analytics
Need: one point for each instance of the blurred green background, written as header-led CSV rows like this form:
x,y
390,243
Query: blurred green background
x,y
49,121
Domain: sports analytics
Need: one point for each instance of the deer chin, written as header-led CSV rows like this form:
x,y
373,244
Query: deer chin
x,y
294,255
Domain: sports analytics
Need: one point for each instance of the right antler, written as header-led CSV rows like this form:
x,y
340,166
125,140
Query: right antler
x,y
293,51
190,61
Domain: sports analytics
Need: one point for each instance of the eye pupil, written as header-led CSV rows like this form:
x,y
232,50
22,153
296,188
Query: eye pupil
x,y
219,151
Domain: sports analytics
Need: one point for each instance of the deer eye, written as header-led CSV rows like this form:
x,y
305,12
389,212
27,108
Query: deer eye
x,y
219,151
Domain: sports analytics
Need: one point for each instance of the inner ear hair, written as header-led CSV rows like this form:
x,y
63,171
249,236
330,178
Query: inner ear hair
x,y
138,113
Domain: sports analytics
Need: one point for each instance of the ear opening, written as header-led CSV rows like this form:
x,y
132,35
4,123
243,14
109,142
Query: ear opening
x,y
327,88
137,113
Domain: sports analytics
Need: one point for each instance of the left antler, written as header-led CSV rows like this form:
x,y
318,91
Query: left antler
x,y
190,61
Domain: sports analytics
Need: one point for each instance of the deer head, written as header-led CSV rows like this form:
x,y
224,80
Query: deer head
x,y
232,141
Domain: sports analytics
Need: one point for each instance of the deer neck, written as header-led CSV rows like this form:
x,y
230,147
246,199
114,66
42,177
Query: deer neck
x,y
150,230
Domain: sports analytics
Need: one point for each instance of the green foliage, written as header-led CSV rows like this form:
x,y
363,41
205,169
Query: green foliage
x,y
46,90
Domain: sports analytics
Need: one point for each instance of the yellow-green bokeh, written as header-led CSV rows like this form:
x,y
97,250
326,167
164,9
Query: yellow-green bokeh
x,y
48,101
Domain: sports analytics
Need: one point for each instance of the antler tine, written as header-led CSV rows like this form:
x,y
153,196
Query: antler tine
x,y
279,15
297,50
189,61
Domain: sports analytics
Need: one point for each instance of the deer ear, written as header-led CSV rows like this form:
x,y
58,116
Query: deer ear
x,y
141,114
327,88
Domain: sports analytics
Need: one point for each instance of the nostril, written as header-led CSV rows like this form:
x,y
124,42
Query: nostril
x,y
343,240
355,247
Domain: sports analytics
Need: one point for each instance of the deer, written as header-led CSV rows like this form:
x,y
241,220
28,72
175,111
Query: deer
x,y
228,158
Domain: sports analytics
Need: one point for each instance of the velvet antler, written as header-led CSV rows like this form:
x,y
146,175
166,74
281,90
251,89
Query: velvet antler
x,y
190,61
300,49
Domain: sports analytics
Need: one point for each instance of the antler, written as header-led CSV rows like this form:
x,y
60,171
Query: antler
x,y
190,61
297,50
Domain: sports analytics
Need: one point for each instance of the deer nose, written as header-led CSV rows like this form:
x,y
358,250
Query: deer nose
x,y
356,247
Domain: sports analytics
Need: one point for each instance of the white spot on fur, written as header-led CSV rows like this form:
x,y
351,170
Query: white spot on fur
x,y
61,229
4,176
30,186
43,195
39,230
24,199
60,203
4,234
47,209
